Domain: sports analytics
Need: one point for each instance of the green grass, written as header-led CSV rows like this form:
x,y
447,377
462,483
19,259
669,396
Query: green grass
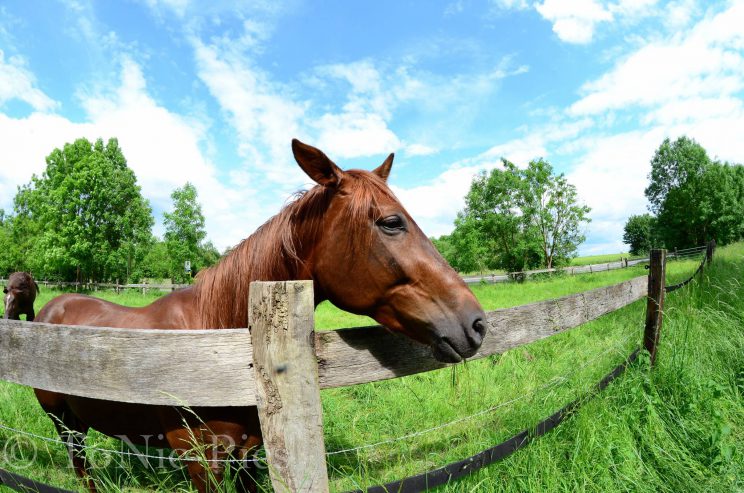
x,y
599,259
578,261
678,428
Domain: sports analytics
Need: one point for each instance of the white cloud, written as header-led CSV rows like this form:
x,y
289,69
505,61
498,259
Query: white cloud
x,y
687,84
348,135
518,151
161,147
705,62
574,21
261,115
510,4
435,204
419,150
17,82
680,13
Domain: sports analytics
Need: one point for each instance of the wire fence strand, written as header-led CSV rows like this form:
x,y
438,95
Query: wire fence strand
x,y
557,381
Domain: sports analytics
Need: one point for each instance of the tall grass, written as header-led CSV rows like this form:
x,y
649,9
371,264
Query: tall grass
x,y
677,428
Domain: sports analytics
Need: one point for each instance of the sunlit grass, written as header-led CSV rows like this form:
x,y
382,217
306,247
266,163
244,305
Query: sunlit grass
x,y
678,428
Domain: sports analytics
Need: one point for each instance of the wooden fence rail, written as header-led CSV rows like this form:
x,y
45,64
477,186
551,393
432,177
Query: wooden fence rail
x,y
129,364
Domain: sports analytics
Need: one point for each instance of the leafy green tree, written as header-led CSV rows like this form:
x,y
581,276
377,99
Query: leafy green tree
x,y
208,255
675,192
518,219
184,232
6,246
85,217
694,198
551,203
721,207
156,264
675,166
638,233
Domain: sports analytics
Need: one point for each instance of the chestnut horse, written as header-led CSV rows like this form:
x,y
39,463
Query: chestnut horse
x,y
364,253
20,294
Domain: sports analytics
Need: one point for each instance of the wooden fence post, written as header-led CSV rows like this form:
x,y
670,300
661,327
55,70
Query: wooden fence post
x,y
281,321
655,304
709,251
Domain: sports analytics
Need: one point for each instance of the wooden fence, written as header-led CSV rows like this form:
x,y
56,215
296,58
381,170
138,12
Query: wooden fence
x,y
291,365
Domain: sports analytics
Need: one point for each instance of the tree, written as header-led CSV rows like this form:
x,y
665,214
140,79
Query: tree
x,y
675,193
721,206
675,165
156,264
84,217
518,219
552,203
208,255
637,233
694,199
184,232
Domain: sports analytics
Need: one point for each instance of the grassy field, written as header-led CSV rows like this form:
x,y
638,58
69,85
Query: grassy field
x,y
678,428
575,262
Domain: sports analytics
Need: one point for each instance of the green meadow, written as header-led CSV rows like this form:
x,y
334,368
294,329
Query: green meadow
x,y
677,428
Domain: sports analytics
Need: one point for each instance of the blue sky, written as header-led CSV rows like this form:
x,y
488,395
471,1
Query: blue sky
x,y
212,92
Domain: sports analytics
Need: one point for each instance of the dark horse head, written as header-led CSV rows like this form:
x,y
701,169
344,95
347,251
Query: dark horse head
x,y
20,294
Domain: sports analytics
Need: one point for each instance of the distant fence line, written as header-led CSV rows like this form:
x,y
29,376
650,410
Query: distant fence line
x,y
493,278
623,263
95,286
78,361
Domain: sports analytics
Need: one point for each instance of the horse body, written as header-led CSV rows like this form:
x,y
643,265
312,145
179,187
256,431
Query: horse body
x,y
364,253
20,294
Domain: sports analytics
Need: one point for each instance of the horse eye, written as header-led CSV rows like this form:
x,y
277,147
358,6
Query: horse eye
x,y
392,224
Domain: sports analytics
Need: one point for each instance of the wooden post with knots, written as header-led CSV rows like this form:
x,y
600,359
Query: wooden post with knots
x,y
281,322
655,304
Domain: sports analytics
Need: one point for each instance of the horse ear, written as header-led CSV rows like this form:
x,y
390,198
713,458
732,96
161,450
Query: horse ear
x,y
316,164
383,171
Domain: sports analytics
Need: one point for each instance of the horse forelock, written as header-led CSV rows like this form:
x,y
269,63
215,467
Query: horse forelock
x,y
274,251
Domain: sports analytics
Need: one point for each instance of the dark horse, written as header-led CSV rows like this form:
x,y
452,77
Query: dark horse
x,y
20,294
364,253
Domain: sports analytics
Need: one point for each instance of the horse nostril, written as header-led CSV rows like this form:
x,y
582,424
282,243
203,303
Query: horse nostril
x,y
478,332
479,326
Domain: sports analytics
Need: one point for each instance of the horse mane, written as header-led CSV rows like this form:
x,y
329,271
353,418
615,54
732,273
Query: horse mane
x,y
274,252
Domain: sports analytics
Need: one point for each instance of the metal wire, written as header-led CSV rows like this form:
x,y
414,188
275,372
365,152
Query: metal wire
x,y
560,380
555,383
57,441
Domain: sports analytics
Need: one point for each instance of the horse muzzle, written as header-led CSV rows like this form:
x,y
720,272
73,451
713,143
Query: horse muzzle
x,y
458,343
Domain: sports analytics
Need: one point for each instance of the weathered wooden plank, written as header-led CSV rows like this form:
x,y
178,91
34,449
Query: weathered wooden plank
x,y
354,356
149,366
281,320
210,367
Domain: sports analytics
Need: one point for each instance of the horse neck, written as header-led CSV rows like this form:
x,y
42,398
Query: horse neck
x,y
277,251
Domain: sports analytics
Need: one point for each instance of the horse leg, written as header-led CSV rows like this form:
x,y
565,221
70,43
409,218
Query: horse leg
x,y
221,444
71,430
30,315
244,456
206,468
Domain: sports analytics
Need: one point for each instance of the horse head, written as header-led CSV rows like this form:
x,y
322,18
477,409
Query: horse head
x,y
371,258
20,290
